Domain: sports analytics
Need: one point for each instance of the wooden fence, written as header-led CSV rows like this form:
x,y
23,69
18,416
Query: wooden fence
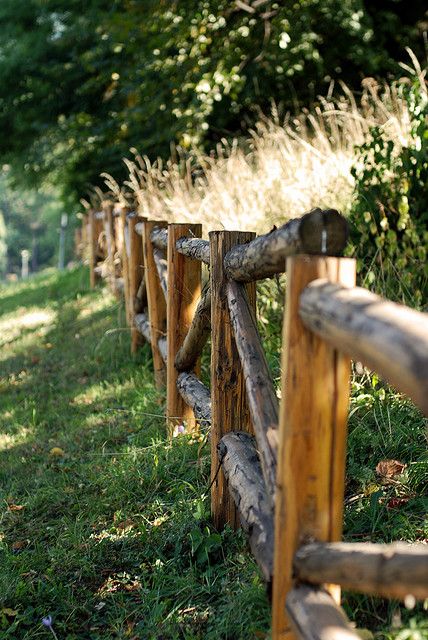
x,y
277,467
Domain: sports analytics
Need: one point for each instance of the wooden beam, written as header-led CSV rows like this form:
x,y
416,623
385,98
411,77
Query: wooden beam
x,y
184,291
91,248
107,207
142,325
136,277
197,396
229,405
312,432
315,615
194,248
240,463
156,303
159,238
261,395
197,335
389,570
317,232
387,337
162,267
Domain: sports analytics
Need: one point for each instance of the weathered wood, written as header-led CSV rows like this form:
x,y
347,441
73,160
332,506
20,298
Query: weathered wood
x,y
197,335
141,297
110,244
155,302
389,570
194,248
197,396
162,267
142,325
229,404
125,261
387,337
241,466
314,615
159,238
184,290
91,252
136,277
312,433
317,232
261,394
163,348
139,227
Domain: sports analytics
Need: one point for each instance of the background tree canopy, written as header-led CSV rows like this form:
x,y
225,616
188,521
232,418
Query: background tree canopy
x,y
82,82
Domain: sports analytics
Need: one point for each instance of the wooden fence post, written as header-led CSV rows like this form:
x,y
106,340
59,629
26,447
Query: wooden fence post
x,y
125,259
91,247
312,447
107,208
156,302
229,409
136,274
184,292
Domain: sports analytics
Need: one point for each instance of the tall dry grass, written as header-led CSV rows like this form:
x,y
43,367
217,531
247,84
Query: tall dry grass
x,y
282,170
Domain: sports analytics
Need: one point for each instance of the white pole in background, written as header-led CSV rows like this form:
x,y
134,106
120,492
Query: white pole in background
x,y
61,254
25,257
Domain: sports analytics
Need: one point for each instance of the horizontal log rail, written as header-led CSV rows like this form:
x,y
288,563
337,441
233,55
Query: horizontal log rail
x,y
197,335
322,232
296,458
240,461
261,394
314,615
196,395
387,337
389,570
194,248
159,238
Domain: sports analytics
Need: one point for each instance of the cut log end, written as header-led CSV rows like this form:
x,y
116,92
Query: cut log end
x,y
323,232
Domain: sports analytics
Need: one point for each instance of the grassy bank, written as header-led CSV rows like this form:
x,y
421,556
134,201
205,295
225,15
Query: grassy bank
x,y
105,524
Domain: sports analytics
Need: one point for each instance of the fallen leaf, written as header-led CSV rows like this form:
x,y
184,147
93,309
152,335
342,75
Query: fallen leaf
x,y
9,612
390,468
19,544
15,507
396,503
35,360
56,452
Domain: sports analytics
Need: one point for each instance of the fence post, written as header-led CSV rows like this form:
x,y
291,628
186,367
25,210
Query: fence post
x,y
184,292
107,208
229,409
92,248
156,302
125,259
312,432
136,274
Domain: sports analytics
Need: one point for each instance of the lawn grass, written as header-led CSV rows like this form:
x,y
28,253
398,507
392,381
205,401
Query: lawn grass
x,y
104,523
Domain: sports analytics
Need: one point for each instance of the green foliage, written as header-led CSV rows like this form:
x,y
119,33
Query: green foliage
x,y
390,208
81,83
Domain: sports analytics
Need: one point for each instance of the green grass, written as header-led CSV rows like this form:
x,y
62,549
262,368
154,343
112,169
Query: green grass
x,y
113,538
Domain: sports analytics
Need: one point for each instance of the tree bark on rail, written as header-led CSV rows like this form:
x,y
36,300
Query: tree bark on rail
x,y
315,615
389,570
163,348
317,232
241,466
197,335
159,238
194,248
143,325
387,337
261,394
197,396
161,266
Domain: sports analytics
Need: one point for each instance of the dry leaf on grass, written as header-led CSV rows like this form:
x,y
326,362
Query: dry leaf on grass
x,y
390,468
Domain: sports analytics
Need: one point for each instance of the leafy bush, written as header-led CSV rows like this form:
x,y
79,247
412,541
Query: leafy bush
x,y
390,208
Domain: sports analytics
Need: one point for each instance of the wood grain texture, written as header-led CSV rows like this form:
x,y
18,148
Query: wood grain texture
x,y
142,324
159,237
229,405
184,292
389,338
91,248
388,570
241,466
198,334
125,261
261,395
107,207
315,615
136,277
312,433
194,248
162,267
156,303
197,396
